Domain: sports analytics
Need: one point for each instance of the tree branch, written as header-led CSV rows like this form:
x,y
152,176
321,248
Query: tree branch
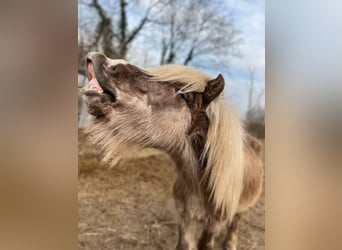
x,y
136,30
123,21
189,56
104,30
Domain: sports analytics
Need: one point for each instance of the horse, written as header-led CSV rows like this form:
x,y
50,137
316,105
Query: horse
x,y
183,112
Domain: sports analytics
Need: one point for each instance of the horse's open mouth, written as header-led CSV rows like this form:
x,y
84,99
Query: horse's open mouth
x,y
94,87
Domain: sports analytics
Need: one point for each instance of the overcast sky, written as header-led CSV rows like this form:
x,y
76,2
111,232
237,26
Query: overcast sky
x,y
249,18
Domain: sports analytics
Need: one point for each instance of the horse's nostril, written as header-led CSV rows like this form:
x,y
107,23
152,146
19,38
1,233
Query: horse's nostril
x,y
112,68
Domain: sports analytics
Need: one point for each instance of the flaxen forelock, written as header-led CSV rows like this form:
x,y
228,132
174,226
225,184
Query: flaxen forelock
x,y
193,79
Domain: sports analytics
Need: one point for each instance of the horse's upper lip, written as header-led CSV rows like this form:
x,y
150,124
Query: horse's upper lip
x,y
94,85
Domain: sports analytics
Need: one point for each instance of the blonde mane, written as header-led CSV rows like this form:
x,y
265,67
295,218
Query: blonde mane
x,y
224,145
194,79
225,159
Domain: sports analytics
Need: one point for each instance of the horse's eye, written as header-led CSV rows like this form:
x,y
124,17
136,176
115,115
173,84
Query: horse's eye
x,y
183,96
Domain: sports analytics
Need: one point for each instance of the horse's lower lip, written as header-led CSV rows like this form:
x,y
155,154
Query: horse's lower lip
x,y
104,96
91,92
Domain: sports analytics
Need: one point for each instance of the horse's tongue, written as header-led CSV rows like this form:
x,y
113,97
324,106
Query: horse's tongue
x,y
94,84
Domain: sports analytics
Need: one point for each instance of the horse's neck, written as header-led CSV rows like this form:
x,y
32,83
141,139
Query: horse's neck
x,y
188,153
186,163
198,141
198,136
184,155
188,157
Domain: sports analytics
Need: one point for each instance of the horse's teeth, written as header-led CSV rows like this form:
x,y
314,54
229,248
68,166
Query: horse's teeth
x,y
89,87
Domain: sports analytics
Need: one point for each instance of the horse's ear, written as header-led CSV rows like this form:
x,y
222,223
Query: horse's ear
x,y
213,89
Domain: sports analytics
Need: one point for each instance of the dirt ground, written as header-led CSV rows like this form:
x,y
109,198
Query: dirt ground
x,y
131,206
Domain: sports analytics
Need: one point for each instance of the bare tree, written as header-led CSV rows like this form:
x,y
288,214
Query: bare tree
x,y
113,33
179,31
251,74
196,28
183,30
255,116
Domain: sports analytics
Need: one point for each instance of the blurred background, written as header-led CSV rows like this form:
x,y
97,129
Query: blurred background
x,y
218,36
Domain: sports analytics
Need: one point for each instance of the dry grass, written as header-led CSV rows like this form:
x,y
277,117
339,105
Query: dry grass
x,y
131,206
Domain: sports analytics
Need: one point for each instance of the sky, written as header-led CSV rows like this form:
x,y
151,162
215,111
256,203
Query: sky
x,y
249,18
